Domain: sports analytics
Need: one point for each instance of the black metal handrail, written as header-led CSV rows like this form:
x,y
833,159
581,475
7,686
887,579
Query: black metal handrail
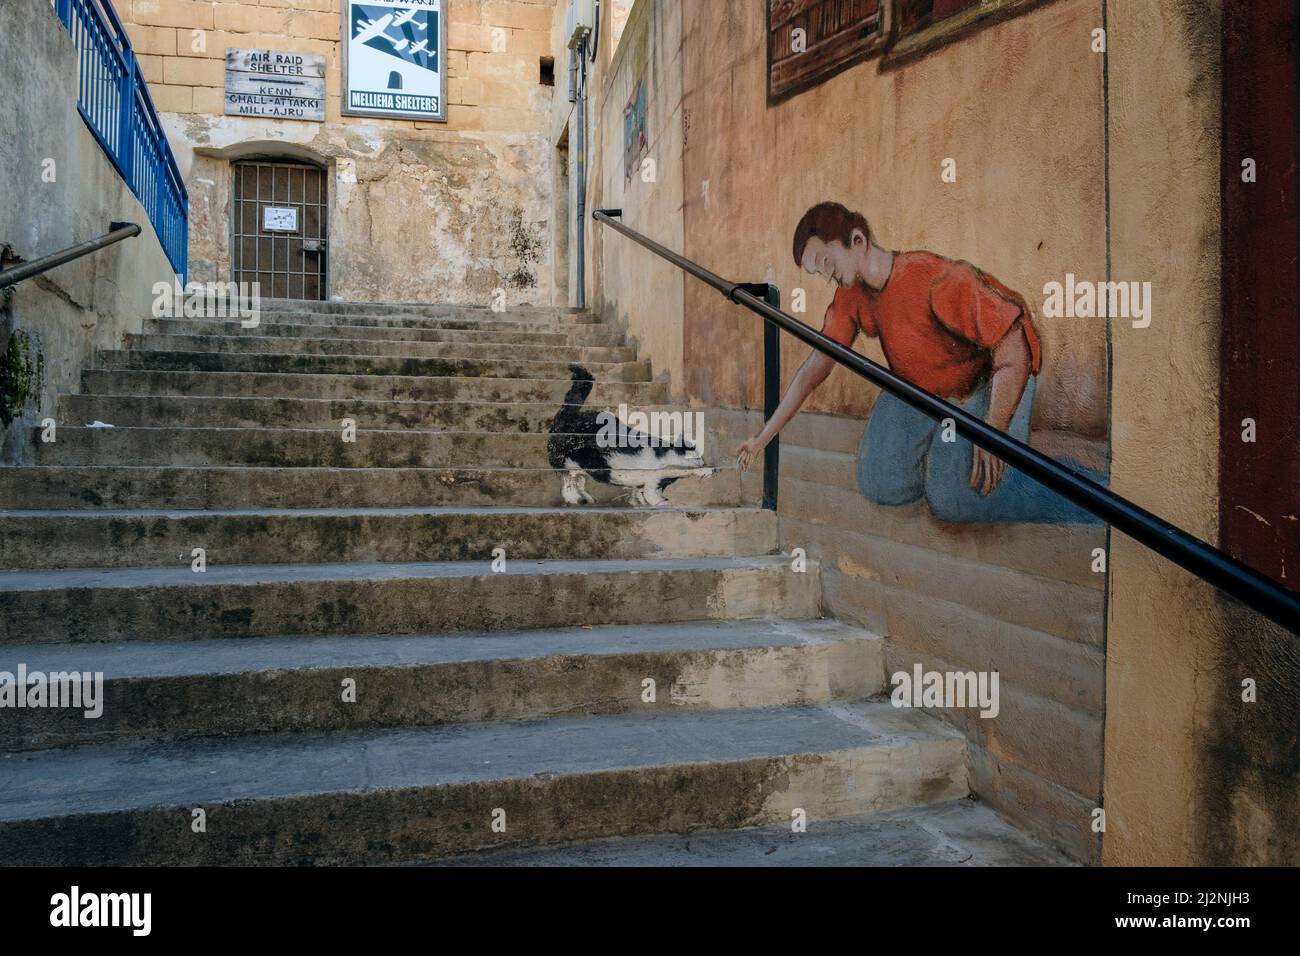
x,y
1185,550
117,231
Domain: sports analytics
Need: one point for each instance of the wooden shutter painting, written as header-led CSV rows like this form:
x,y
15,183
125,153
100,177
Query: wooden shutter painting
x,y
838,33
915,15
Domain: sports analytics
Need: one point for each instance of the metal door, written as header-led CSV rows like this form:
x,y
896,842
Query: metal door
x,y
278,228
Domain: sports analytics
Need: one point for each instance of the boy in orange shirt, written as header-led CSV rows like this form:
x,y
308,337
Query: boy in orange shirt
x,y
949,328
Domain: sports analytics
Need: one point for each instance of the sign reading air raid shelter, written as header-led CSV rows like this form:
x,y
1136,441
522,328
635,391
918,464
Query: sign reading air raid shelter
x,y
395,54
280,85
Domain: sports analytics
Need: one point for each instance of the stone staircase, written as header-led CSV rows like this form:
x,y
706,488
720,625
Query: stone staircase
x,y
349,680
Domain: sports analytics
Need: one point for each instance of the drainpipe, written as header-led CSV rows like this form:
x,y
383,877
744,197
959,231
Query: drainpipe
x,y
581,278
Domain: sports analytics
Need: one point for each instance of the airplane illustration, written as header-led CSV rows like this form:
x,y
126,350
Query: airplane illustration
x,y
421,47
376,28
405,16
373,28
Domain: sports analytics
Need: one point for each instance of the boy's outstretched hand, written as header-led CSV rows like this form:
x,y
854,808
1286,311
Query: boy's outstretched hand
x,y
748,451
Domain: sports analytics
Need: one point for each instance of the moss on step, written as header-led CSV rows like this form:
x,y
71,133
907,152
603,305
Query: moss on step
x,y
22,369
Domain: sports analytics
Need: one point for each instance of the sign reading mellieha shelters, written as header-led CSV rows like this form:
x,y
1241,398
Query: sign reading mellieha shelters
x,y
279,85
395,54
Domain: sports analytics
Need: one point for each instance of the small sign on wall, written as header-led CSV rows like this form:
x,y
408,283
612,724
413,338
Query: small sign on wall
x,y
394,59
279,219
275,84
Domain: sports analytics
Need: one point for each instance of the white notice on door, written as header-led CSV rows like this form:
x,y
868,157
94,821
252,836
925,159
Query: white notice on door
x,y
277,219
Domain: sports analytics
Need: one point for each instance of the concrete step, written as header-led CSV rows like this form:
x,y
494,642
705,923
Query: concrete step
x,y
233,412
955,833
449,321
427,310
68,487
381,365
143,538
366,387
176,690
476,351
295,447
137,604
517,333
423,793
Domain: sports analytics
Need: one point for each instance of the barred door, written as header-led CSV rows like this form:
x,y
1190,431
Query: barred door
x,y
278,228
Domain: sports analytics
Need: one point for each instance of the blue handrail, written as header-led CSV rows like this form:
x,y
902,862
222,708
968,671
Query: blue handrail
x,y
114,101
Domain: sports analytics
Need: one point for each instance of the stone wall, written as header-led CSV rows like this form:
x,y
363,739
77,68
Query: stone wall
x,y
445,212
59,189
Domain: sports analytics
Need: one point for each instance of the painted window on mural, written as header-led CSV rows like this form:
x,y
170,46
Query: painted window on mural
x,y
916,15
921,25
811,40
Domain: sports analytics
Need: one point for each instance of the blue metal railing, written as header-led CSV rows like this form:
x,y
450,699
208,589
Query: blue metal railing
x,y
114,101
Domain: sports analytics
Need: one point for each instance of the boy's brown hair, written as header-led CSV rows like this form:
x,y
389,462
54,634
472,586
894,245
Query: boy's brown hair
x,y
829,222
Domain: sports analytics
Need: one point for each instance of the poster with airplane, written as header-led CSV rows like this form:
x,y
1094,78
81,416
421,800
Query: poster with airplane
x,y
395,54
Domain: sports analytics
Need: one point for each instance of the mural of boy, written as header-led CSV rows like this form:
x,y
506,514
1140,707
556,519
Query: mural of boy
x,y
949,328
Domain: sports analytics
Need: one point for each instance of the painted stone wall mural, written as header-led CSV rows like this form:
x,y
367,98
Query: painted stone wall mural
x,y
635,143
950,328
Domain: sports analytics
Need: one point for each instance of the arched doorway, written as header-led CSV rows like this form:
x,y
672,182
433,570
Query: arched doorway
x,y
279,226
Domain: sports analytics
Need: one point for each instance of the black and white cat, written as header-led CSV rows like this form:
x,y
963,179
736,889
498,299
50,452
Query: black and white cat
x,y
646,466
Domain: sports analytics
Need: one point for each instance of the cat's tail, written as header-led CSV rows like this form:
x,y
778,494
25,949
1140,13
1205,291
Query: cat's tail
x,y
581,387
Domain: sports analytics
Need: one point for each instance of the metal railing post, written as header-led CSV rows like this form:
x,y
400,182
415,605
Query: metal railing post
x,y
771,399
126,121
771,387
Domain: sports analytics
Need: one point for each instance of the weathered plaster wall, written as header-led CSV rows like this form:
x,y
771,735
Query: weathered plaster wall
x,y
414,216
418,211
1019,106
53,324
633,288
1193,774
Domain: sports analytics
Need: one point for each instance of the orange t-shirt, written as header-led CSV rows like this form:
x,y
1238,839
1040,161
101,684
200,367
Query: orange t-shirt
x,y
938,321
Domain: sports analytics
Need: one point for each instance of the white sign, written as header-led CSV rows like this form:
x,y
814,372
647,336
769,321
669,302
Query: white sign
x,y
395,54
271,83
279,219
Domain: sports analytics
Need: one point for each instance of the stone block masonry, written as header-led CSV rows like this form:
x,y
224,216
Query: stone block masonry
x,y
417,211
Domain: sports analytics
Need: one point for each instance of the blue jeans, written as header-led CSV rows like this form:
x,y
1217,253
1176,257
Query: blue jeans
x,y
904,458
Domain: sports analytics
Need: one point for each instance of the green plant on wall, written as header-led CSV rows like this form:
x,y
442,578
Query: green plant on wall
x,y
20,376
